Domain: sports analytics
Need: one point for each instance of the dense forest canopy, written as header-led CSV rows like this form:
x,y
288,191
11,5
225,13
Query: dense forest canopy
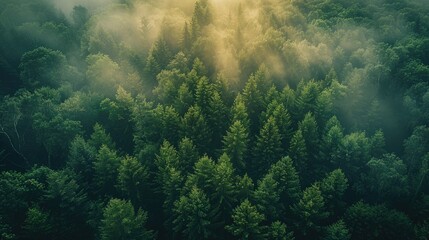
x,y
214,119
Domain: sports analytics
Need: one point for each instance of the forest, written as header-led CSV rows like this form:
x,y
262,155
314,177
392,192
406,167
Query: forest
x,y
214,119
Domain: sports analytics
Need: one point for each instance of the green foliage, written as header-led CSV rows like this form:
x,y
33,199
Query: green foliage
x,y
310,212
121,221
158,58
235,144
298,152
172,105
188,154
246,222
337,231
192,215
267,197
278,231
106,167
387,178
44,67
195,127
371,222
268,148
100,137
133,178
37,224
284,173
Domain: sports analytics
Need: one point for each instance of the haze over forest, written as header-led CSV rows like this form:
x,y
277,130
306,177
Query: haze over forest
x,y
214,119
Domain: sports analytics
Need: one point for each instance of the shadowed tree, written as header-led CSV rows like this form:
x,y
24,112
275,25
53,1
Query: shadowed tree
x,y
121,221
246,222
235,144
267,149
192,215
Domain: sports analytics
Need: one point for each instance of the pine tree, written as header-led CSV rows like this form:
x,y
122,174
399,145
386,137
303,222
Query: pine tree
x,y
298,153
268,148
333,187
121,221
188,155
310,212
235,144
100,137
192,215
284,173
267,197
166,159
159,57
133,178
246,222
106,167
278,231
282,118
239,112
195,127
254,102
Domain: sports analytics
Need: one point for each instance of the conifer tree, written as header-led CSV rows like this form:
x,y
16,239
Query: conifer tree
x,y
268,148
195,127
121,221
193,215
235,144
247,222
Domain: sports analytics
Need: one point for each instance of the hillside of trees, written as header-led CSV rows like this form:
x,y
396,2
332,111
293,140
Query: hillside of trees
x,y
214,119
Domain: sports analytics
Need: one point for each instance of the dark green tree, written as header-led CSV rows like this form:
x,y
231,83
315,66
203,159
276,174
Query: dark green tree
x,y
133,179
278,231
121,221
195,127
188,154
298,153
193,215
310,212
159,57
235,144
268,148
106,167
373,222
284,173
247,222
337,231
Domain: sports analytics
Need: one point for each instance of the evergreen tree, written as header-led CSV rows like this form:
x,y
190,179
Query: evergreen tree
x,y
100,137
166,159
133,179
267,197
235,144
337,231
254,102
310,212
278,231
158,58
239,112
121,221
284,173
298,153
333,188
267,149
246,222
193,215
106,167
194,126
188,154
